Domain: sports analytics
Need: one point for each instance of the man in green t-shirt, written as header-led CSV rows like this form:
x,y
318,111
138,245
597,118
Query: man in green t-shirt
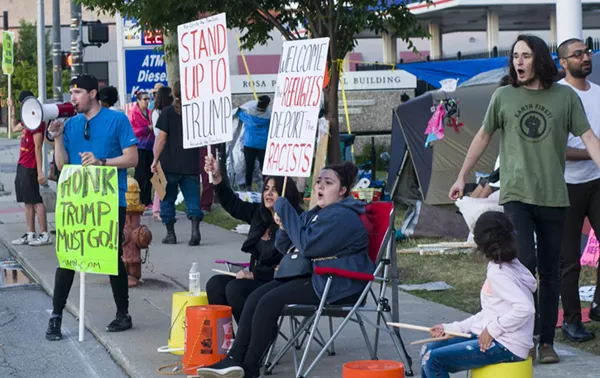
x,y
534,116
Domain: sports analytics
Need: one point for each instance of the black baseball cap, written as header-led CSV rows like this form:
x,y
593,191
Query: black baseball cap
x,y
87,82
24,94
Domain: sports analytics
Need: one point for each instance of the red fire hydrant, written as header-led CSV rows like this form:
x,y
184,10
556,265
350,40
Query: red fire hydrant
x,y
136,236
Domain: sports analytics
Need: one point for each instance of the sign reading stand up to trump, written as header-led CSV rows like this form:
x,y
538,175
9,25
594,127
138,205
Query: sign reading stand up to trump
x,y
205,82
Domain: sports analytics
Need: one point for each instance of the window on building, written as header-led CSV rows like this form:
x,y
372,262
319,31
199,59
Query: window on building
x,y
99,70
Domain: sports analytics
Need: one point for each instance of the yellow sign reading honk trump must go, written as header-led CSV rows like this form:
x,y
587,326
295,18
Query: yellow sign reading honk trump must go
x,y
87,219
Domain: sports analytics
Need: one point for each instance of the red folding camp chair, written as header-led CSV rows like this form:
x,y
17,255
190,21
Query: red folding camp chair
x,y
379,222
233,266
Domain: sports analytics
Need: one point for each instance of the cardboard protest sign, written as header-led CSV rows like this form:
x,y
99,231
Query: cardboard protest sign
x,y
159,182
8,39
87,219
591,252
205,82
295,112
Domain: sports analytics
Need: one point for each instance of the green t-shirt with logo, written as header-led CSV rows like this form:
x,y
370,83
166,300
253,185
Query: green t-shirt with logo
x,y
534,127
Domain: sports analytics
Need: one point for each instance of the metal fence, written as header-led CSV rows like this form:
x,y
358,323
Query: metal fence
x,y
593,43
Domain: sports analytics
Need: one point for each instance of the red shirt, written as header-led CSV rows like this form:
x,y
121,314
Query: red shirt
x,y
27,155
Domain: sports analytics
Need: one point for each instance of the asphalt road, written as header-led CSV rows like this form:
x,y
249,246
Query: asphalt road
x,y
24,351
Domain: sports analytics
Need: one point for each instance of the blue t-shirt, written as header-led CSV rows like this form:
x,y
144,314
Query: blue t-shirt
x,y
110,134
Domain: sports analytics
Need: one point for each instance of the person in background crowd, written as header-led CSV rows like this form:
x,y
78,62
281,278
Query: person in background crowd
x,y
155,90
583,185
162,100
108,97
30,175
256,119
96,136
260,244
534,116
182,170
141,121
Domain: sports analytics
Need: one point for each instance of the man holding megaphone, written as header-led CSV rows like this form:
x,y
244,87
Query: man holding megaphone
x,y
102,137
30,176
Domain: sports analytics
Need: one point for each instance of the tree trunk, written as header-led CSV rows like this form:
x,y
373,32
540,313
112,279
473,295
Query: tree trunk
x,y
171,58
334,154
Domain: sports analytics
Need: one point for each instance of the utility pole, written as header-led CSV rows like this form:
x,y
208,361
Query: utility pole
x,y
76,39
41,51
57,89
41,61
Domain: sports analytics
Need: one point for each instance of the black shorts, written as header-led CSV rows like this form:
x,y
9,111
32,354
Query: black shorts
x,y
27,187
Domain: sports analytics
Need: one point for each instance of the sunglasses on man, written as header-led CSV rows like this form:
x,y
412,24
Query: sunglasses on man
x,y
578,54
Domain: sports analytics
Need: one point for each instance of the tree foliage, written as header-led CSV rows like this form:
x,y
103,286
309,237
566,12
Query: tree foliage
x,y
25,76
341,21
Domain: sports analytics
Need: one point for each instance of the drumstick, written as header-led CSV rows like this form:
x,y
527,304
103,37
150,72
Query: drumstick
x,y
427,329
224,272
431,340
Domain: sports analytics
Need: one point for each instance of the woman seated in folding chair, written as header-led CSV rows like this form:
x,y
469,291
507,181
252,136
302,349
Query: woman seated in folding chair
x,y
260,244
331,235
502,331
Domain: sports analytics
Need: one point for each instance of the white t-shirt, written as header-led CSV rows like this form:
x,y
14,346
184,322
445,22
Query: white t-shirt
x,y
496,166
155,115
581,171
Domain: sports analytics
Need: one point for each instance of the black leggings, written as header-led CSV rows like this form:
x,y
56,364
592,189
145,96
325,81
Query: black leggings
x,y
229,291
143,174
258,323
250,155
63,280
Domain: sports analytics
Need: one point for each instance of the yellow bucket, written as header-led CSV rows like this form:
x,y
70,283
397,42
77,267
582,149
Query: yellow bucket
x,y
181,301
523,369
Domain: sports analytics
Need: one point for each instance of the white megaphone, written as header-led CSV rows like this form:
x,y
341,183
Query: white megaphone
x,y
33,112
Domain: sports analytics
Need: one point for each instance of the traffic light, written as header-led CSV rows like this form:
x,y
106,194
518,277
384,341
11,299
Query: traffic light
x,y
66,61
5,20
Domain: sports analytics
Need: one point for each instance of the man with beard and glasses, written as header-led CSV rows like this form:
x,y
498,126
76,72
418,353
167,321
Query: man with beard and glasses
x,y
534,116
96,136
583,185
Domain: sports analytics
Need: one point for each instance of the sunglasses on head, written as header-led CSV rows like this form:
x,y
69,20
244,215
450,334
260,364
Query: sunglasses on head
x,y
86,130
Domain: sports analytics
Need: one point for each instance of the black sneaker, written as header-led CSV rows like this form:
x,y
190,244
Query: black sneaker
x,y
121,323
53,331
227,368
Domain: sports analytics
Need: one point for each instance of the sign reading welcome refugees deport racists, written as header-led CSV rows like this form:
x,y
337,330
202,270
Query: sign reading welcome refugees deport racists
x,y
295,112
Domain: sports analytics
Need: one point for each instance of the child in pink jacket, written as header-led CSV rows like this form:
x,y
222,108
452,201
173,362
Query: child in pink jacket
x,y
503,329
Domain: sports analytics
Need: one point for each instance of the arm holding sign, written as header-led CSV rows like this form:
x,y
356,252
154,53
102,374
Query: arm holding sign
x,y
16,126
162,124
159,146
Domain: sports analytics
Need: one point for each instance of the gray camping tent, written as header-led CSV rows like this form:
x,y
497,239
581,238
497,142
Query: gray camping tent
x,y
417,172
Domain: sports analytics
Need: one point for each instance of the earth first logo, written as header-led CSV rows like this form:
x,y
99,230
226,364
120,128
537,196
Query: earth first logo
x,y
533,122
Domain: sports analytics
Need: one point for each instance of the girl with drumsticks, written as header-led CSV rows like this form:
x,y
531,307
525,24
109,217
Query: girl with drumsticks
x,y
502,331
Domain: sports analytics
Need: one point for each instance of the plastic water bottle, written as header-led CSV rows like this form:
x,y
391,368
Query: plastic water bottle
x,y
194,280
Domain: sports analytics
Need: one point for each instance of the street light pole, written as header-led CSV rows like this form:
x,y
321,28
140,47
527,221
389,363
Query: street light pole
x,y
76,39
41,70
57,89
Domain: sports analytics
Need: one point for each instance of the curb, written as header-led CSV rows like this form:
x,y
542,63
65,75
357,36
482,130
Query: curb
x,y
112,350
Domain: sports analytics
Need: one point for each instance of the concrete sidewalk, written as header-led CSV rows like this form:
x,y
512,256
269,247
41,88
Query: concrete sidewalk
x,y
136,350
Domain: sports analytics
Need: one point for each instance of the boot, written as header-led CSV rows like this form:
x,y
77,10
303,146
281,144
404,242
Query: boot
x,y
170,238
195,239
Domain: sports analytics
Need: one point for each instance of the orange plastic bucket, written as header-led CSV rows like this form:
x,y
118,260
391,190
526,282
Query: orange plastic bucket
x,y
373,369
208,336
